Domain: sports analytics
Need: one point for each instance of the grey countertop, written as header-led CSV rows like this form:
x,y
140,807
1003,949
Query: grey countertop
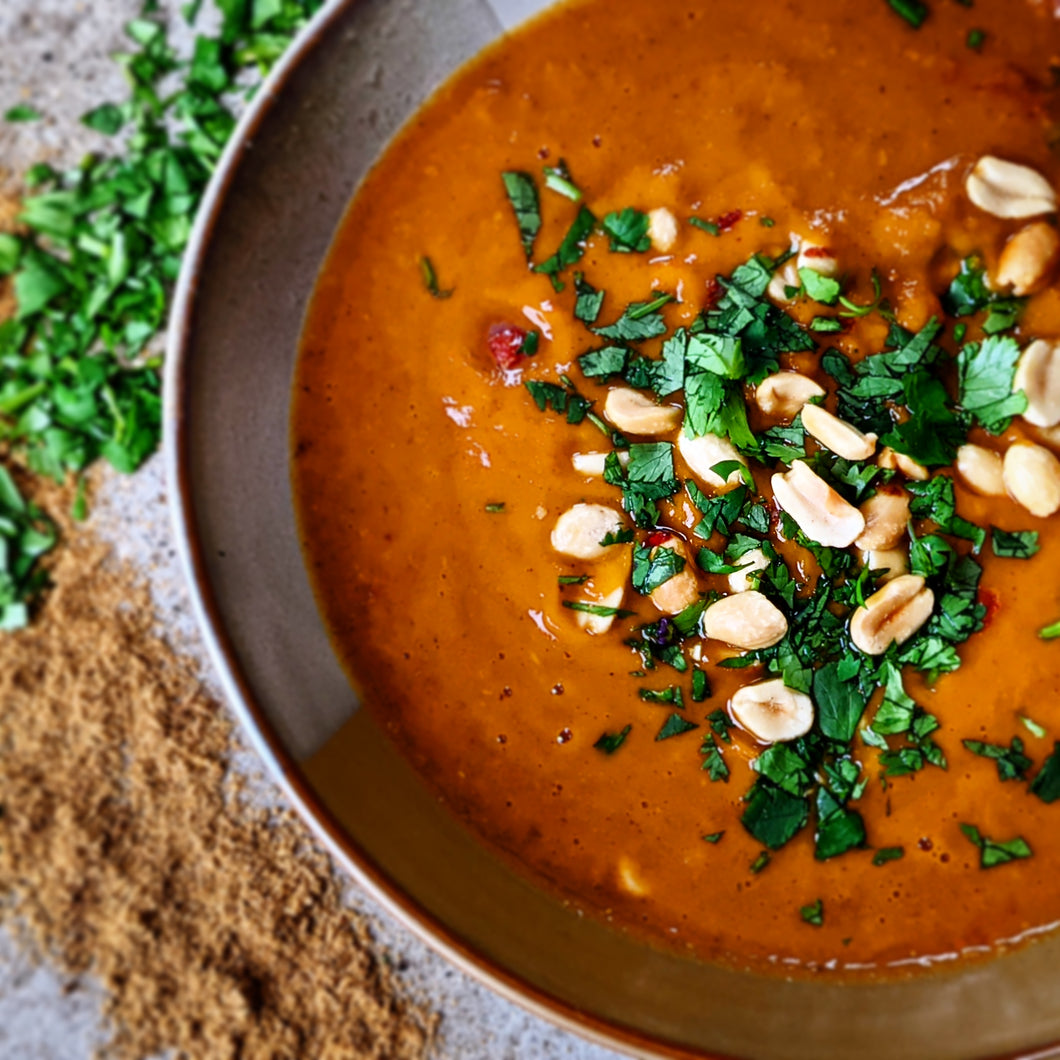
x,y
56,57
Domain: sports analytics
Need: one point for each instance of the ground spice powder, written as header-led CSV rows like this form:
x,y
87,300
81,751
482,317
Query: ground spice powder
x,y
128,852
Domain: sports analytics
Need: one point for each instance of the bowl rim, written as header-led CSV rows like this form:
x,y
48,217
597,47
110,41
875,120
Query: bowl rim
x,y
256,727
254,723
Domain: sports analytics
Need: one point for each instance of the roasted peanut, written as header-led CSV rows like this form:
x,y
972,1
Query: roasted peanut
x,y
786,276
771,712
835,434
1029,259
886,514
822,515
1007,189
580,531
894,461
680,591
752,564
1038,376
892,614
592,464
784,393
634,412
981,470
817,257
892,561
706,452
1032,478
662,229
747,620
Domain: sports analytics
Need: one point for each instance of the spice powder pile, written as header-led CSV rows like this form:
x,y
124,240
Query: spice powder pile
x,y
127,850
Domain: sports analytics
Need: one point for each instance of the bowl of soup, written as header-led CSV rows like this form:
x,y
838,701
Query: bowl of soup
x,y
614,459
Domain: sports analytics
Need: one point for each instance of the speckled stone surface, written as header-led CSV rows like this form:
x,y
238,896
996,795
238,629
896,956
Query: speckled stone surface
x,y
57,58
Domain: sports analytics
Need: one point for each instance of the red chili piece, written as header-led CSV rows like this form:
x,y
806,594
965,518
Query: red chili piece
x,y
992,602
816,252
729,220
506,345
658,537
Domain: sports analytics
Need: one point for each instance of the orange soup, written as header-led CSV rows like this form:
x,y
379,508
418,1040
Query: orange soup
x,y
673,449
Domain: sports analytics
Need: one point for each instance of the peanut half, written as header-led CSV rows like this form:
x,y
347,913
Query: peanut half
x,y
1007,189
784,393
771,712
1029,259
840,437
822,515
746,620
635,413
886,514
598,625
706,452
893,562
580,531
982,470
592,464
892,614
1038,376
895,461
662,229
1032,478
680,591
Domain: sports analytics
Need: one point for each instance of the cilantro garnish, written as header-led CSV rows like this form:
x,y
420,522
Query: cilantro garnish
x,y
985,373
430,281
773,816
714,837
599,610
589,300
701,689
707,226
813,913
654,567
885,854
1050,632
628,231
969,294
840,702
573,579
913,11
994,852
822,289
662,695
571,249
610,742
675,725
26,534
1012,763
495,507
559,399
713,760
975,39
1046,785
522,194
1032,726
1017,544
639,321
760,862
558,179
605,362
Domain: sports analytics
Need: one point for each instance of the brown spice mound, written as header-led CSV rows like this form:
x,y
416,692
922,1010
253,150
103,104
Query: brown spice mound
x,y
216,929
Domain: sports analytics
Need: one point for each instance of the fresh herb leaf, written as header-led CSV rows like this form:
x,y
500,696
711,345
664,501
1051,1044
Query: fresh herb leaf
x,y
822,289
495,507
1012,763
558,179
430,280
22,112
599,610
885,854
760,862
1050,632
975,39
840,702
707,226
1032,726
571,248
985,373
1019,544
713,837
522,194
558,399
628,231
662,695
701,689
996,852
654,567
589,300
605,362
839,829
573,579
1046,785
773,816
610,742
913,11
675,725
639,321
813,913
713,760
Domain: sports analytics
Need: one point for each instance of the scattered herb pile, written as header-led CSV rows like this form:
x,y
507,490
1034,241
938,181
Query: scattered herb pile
x,y
99,251
898,393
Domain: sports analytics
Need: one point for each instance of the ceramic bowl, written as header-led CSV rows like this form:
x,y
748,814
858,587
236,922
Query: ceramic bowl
x,y
351,81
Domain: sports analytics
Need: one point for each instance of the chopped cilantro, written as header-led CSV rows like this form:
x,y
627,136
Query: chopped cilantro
x,y
558,179
495,507
662,695
985,374
813,913
22,112
1050,632
773,816
617,537
707,226
589,300
430,280
522,194
1032,726
994,852
826,325
1046,785
573,579
530,343
608,361
787,769
913,11
675,725
969,293
628,231
975,39
1012,763
840,702
839,829
766,222
713,760
571,248
885,854
26,534
639,321
559,399
599,610
823,289
760,862
1019,544
610,742
714,837
701,689
654,567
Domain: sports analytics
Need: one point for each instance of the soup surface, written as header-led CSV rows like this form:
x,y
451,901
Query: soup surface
x,y
429,481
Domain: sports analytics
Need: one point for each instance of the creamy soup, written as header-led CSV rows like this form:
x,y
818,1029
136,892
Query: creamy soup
x,y
676,577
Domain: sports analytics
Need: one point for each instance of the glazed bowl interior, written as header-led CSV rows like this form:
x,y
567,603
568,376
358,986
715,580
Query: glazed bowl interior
x,y
358,74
